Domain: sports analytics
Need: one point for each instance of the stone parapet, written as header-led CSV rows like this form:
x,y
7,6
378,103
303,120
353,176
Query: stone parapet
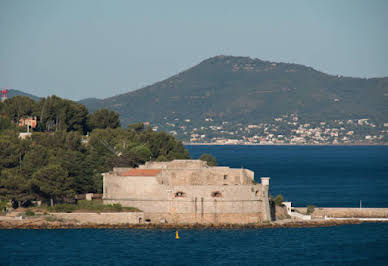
x,y
347,212
103,218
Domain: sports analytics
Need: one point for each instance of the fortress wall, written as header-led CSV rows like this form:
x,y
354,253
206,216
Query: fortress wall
x,y
103,218
208,176
192,206
197,201
347,212
175,164
228,192
118,170
208,218
191,192
238,204
130,186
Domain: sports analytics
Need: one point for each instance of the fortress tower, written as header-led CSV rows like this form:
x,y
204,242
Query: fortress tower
x,y
189,191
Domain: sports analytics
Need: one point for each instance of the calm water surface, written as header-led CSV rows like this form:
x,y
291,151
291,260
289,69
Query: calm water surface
x,y
327,176
364,244
324,176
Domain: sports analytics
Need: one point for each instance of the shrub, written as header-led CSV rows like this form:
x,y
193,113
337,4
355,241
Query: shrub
x,y
3,205
310,209
278,199
117,207
62,208
211,161
30,213
53,219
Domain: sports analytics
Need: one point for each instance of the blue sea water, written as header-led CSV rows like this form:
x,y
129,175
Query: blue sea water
x,y
364,244
326,176
320,175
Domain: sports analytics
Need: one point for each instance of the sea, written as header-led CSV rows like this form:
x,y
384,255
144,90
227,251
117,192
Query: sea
x,y
325,176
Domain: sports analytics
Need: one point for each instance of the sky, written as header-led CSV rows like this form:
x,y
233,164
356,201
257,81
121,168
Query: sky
x,y
80,49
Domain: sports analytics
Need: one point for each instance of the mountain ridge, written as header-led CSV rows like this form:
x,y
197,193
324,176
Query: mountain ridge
x,y
245,89
14,92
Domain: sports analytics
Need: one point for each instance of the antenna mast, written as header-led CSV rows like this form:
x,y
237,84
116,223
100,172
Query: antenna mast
x,y
4,94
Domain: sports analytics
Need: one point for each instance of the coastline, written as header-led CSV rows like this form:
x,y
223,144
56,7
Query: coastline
x,y
42,224
281,144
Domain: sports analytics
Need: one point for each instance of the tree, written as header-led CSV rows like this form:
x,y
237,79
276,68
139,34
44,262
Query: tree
x,y
138,127
37,157
80,170
5,123
279,199
53,183
18,107
11,150
103,118
211,161
57,114
14,186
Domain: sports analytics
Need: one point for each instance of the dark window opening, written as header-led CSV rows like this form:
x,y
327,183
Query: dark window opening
x,y
148,220
180,194
216,194
225,177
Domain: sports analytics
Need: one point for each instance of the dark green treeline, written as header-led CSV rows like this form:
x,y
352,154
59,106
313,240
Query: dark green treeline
x,y
59,161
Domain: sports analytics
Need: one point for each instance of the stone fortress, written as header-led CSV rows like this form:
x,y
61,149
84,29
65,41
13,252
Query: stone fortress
x,y
189,191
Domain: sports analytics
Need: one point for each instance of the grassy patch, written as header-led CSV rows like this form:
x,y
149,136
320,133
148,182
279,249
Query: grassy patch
x,y
53,219
29,213
92,206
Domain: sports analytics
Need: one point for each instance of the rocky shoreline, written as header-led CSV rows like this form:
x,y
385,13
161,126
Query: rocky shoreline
x,y
43,224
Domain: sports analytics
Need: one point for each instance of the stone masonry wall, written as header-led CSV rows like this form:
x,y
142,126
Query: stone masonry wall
x,y
347,212
235,204
104,218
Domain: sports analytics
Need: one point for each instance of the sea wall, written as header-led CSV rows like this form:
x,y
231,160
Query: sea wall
x,y
205,218
103,218
161,218
347,212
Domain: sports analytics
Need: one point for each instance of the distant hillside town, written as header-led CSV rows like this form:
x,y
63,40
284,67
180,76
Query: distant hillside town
x,y
240,100
286,129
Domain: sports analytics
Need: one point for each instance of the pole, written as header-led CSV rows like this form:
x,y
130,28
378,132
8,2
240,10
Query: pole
x,y
360,204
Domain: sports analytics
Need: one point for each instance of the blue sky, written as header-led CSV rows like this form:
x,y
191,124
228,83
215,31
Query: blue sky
x,y
89,48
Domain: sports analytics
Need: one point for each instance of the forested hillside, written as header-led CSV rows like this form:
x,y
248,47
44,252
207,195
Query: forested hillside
x,y
58,160
245,90
13,93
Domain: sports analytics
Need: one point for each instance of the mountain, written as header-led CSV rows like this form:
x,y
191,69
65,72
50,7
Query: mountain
x,y
91,102
13,93
245,90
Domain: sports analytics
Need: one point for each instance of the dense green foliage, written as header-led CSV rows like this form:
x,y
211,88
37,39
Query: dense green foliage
x,y
55,114
310,209
211,161
103,118
59,162
94,206
245,90
278,200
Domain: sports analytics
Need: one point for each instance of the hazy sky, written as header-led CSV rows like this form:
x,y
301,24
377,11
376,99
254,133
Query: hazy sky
x,y
89,48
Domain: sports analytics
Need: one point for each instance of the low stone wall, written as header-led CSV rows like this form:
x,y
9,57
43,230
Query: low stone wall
x,y
103,218
206,218
347,212
160,218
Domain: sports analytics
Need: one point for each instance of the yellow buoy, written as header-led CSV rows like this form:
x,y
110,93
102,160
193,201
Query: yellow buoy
x,y
176,235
